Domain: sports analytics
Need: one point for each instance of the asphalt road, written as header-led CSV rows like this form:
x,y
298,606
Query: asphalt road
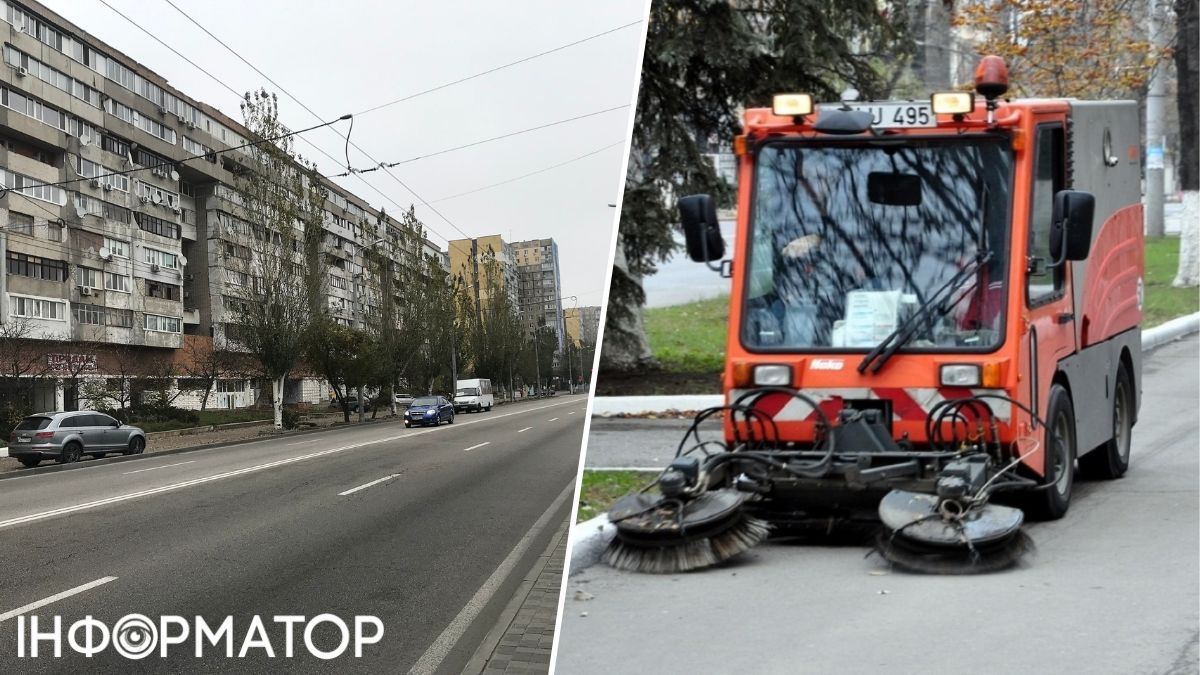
x,y
1113,587
430,530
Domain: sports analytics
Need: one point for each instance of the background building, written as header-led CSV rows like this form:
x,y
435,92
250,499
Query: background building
x,y
541,287
469,259
103,264
582,324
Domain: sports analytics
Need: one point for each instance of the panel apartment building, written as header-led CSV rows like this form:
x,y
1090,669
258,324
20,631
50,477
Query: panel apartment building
x,y
582,323
541,287
143,261
470,260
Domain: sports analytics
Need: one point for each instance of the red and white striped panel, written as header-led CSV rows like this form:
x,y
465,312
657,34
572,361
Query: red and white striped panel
x,y
911,404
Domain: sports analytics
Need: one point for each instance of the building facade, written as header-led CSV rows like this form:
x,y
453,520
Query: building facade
x,y
541,287
470,261
582,324
156,252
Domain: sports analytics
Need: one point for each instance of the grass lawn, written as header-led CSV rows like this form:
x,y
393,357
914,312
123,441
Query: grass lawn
x,y
689,338
1163,302
602,488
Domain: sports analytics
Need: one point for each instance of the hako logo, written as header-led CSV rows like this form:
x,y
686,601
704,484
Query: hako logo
x,y
827,364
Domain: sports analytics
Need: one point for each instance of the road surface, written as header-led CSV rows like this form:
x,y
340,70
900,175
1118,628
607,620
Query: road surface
x,y
1113,587
430,530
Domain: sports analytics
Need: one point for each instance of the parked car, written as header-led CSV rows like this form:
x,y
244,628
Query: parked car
x,y
404,400
429,410
67,436
351,401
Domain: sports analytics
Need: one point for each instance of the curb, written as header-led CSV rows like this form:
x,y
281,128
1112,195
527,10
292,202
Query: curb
x,y
589,538
587,542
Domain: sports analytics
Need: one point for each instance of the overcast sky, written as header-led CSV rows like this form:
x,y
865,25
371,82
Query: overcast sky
x,y
350,55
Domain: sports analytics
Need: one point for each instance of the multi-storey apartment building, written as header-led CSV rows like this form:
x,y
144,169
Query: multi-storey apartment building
x,y
582,324
541,286
135,261
471,259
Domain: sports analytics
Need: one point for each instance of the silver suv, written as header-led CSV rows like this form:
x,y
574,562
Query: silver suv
x,y
67,436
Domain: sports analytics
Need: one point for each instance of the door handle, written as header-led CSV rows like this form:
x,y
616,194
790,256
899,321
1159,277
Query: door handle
x,y
1065,317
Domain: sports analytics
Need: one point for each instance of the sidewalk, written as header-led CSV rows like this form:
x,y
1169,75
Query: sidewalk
x,y
524,646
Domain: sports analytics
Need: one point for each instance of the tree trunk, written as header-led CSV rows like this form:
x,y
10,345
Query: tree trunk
x,y
360,403
1187,71
1188,274
277,386
632,351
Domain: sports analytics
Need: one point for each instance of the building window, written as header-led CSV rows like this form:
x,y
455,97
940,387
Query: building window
x,y
20,223
86,205
157,226
156,289
36,267
116,282
337,282
162,324
89,278
92,315
34,308
54,231
90,169
119,318
31,187
117,247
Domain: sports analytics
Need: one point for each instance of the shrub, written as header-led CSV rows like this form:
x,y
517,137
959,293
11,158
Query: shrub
x,y
291,418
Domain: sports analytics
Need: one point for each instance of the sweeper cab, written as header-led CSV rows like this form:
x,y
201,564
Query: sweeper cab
x,y
934,317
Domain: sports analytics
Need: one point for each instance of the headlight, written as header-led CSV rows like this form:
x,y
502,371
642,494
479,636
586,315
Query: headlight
x,y
774,375
960,375
430,412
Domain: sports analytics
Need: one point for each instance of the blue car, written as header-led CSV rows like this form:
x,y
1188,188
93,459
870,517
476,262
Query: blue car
x,y
429,410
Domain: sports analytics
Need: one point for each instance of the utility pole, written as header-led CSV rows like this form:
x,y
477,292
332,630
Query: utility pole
x,y
1155,113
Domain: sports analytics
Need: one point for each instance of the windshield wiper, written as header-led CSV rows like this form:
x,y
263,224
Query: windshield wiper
x,y
934,308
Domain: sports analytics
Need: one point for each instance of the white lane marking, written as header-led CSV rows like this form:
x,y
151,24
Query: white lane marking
x,y
436,653
521,431
367,485
288,445
55,598
571,413
164,466
238,472
477,446
553,419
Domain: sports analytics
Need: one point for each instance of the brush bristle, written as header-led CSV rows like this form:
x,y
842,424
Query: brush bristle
x,y
742,535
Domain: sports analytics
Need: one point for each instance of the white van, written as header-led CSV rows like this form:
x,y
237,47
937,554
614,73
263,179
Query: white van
x,y
475,394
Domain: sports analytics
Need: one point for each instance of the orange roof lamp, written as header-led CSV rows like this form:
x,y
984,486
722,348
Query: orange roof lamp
x,y
991,82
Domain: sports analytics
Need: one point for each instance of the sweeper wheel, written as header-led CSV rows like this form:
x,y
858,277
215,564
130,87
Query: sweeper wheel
x,y
665,536
923,558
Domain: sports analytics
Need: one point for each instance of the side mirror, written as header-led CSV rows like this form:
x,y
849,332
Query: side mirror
x,y
1071,227
702,232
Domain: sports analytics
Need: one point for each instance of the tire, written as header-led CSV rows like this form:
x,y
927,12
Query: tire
x,y
451,420
407,425
71,453
136,445
29,462
1052,503
1111,460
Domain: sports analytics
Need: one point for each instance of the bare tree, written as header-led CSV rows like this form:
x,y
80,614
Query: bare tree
x,y
205,361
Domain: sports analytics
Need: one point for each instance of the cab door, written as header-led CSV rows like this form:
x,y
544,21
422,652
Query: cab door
x,y
1048,303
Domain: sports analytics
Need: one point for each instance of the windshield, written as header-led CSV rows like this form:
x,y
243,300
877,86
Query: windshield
x,y
848,239
425,400
470,391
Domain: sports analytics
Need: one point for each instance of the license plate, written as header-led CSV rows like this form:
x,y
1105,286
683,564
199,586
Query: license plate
x,y
24,439
898,115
